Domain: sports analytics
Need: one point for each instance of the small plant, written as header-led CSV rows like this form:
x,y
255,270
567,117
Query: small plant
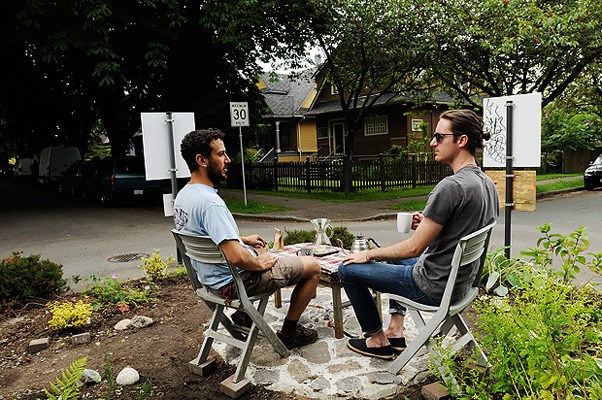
x,y
156,267
107,373
500,272
66,386
111,292
304,236
22,278
146,390
69,314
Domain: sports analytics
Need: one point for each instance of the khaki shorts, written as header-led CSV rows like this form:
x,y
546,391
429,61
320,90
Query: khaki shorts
x,y
286,272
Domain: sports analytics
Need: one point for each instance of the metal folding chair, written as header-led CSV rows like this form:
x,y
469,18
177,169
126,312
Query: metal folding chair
x,y
471,248
202,249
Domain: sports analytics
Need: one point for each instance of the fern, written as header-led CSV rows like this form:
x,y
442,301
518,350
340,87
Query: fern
x,y
66,386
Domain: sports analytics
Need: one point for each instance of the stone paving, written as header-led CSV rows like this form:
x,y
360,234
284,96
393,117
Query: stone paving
x,y
326,369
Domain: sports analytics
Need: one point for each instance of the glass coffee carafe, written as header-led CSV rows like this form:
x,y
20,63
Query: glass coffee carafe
x,y
324,232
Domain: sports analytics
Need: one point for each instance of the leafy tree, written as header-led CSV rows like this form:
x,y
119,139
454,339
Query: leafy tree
x,y
373,50
504,47
70,63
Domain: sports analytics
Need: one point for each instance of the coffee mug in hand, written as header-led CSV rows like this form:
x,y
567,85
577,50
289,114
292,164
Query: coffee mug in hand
x,y
404,222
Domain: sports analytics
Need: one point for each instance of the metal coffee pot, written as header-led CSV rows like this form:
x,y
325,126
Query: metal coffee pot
x,y
359,244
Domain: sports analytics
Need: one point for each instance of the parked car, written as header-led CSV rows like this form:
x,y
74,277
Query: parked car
x,y
76,177
592,178
122,179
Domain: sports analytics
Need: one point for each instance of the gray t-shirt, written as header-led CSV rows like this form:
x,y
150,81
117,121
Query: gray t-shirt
x,y
462,203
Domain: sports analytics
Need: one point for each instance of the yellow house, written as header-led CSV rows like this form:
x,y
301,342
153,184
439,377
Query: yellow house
x,y
294,134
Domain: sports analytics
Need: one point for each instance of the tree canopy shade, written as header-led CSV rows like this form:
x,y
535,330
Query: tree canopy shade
x,y
373,49
67,64
504,47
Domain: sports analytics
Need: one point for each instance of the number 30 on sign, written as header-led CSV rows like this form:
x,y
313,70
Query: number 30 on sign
x,y
239,114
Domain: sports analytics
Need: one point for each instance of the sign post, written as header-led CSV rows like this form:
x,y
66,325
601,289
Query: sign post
x,y
239,116
504,117
162,131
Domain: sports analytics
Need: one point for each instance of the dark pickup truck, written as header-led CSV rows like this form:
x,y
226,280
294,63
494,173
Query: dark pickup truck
x,y
120,180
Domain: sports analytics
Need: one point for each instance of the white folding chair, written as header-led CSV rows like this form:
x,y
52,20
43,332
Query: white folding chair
x,y
471,248
202,249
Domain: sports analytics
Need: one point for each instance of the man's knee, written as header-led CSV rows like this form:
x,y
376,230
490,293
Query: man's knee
x,y
311,268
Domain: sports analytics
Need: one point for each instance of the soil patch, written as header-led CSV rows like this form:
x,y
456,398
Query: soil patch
x,y
160,352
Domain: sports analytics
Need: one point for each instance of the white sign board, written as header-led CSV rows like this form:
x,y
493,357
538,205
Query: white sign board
x,y
526,130
239,114
156,142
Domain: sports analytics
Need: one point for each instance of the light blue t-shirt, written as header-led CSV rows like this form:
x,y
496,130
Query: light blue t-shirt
x,y
199,210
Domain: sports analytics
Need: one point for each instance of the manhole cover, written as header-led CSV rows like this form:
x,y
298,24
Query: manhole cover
x,y
128,257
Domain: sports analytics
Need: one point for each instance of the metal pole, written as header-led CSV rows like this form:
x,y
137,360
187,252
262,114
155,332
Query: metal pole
x,y
172,159
509,205
242,165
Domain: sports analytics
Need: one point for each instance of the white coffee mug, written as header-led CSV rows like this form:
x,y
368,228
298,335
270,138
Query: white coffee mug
x,y
404,222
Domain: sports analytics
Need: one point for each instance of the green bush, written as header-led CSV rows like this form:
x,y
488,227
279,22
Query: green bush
x,y
22,278
304,236
544,339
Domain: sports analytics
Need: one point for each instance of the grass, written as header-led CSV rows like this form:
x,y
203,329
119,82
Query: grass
x,y
253,207
339,197
410,204
568,184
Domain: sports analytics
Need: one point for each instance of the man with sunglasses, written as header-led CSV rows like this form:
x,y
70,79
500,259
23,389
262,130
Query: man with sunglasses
x,y
418,268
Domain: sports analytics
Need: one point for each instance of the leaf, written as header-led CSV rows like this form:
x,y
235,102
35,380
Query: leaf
x,y
501,291
493,277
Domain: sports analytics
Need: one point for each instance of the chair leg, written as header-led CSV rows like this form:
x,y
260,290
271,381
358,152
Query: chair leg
x,y
415,345
218,312
256,315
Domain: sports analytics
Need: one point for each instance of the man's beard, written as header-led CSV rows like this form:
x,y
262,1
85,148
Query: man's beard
x,y
215,175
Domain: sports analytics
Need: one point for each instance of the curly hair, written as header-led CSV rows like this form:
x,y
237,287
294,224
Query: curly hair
x,y
198,142
467,122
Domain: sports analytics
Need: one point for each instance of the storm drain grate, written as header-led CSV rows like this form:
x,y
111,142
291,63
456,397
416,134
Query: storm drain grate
x,y
128,257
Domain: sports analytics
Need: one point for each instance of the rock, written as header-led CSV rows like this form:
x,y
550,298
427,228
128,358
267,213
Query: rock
x,y
122,325
316,353
319,384
127,376
89,376
82,338
353,384
140,321
38,345
298,371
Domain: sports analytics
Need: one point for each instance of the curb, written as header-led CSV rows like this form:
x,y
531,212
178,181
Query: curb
x,y
376,217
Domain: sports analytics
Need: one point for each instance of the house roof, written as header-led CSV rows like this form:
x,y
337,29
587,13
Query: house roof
x,y
387,98
288,96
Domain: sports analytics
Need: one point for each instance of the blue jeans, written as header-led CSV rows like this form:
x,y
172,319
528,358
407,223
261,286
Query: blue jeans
x,y
358,279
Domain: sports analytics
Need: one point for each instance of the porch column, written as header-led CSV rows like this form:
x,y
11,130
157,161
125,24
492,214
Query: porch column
x,y
277,151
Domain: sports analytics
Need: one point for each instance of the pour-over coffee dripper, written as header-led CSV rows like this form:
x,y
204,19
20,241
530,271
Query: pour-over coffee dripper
x,y
322,225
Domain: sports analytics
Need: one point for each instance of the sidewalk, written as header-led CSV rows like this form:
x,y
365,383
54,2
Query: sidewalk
x,y
306,209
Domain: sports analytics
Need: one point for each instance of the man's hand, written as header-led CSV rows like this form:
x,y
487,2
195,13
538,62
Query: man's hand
x,y
255,241
266,261
416,219
356,258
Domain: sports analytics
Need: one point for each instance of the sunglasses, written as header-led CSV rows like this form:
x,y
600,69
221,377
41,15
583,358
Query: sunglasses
x,y
439,136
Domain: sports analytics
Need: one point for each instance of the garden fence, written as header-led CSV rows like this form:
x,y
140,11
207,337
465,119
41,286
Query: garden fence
x,y
379,172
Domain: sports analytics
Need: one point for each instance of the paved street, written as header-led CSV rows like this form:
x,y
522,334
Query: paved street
x,y
84,237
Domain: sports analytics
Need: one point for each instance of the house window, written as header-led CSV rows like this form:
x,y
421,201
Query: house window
x,y
376,125
416,125
323,133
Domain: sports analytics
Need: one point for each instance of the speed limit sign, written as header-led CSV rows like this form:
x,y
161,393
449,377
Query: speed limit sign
x,y
239,114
